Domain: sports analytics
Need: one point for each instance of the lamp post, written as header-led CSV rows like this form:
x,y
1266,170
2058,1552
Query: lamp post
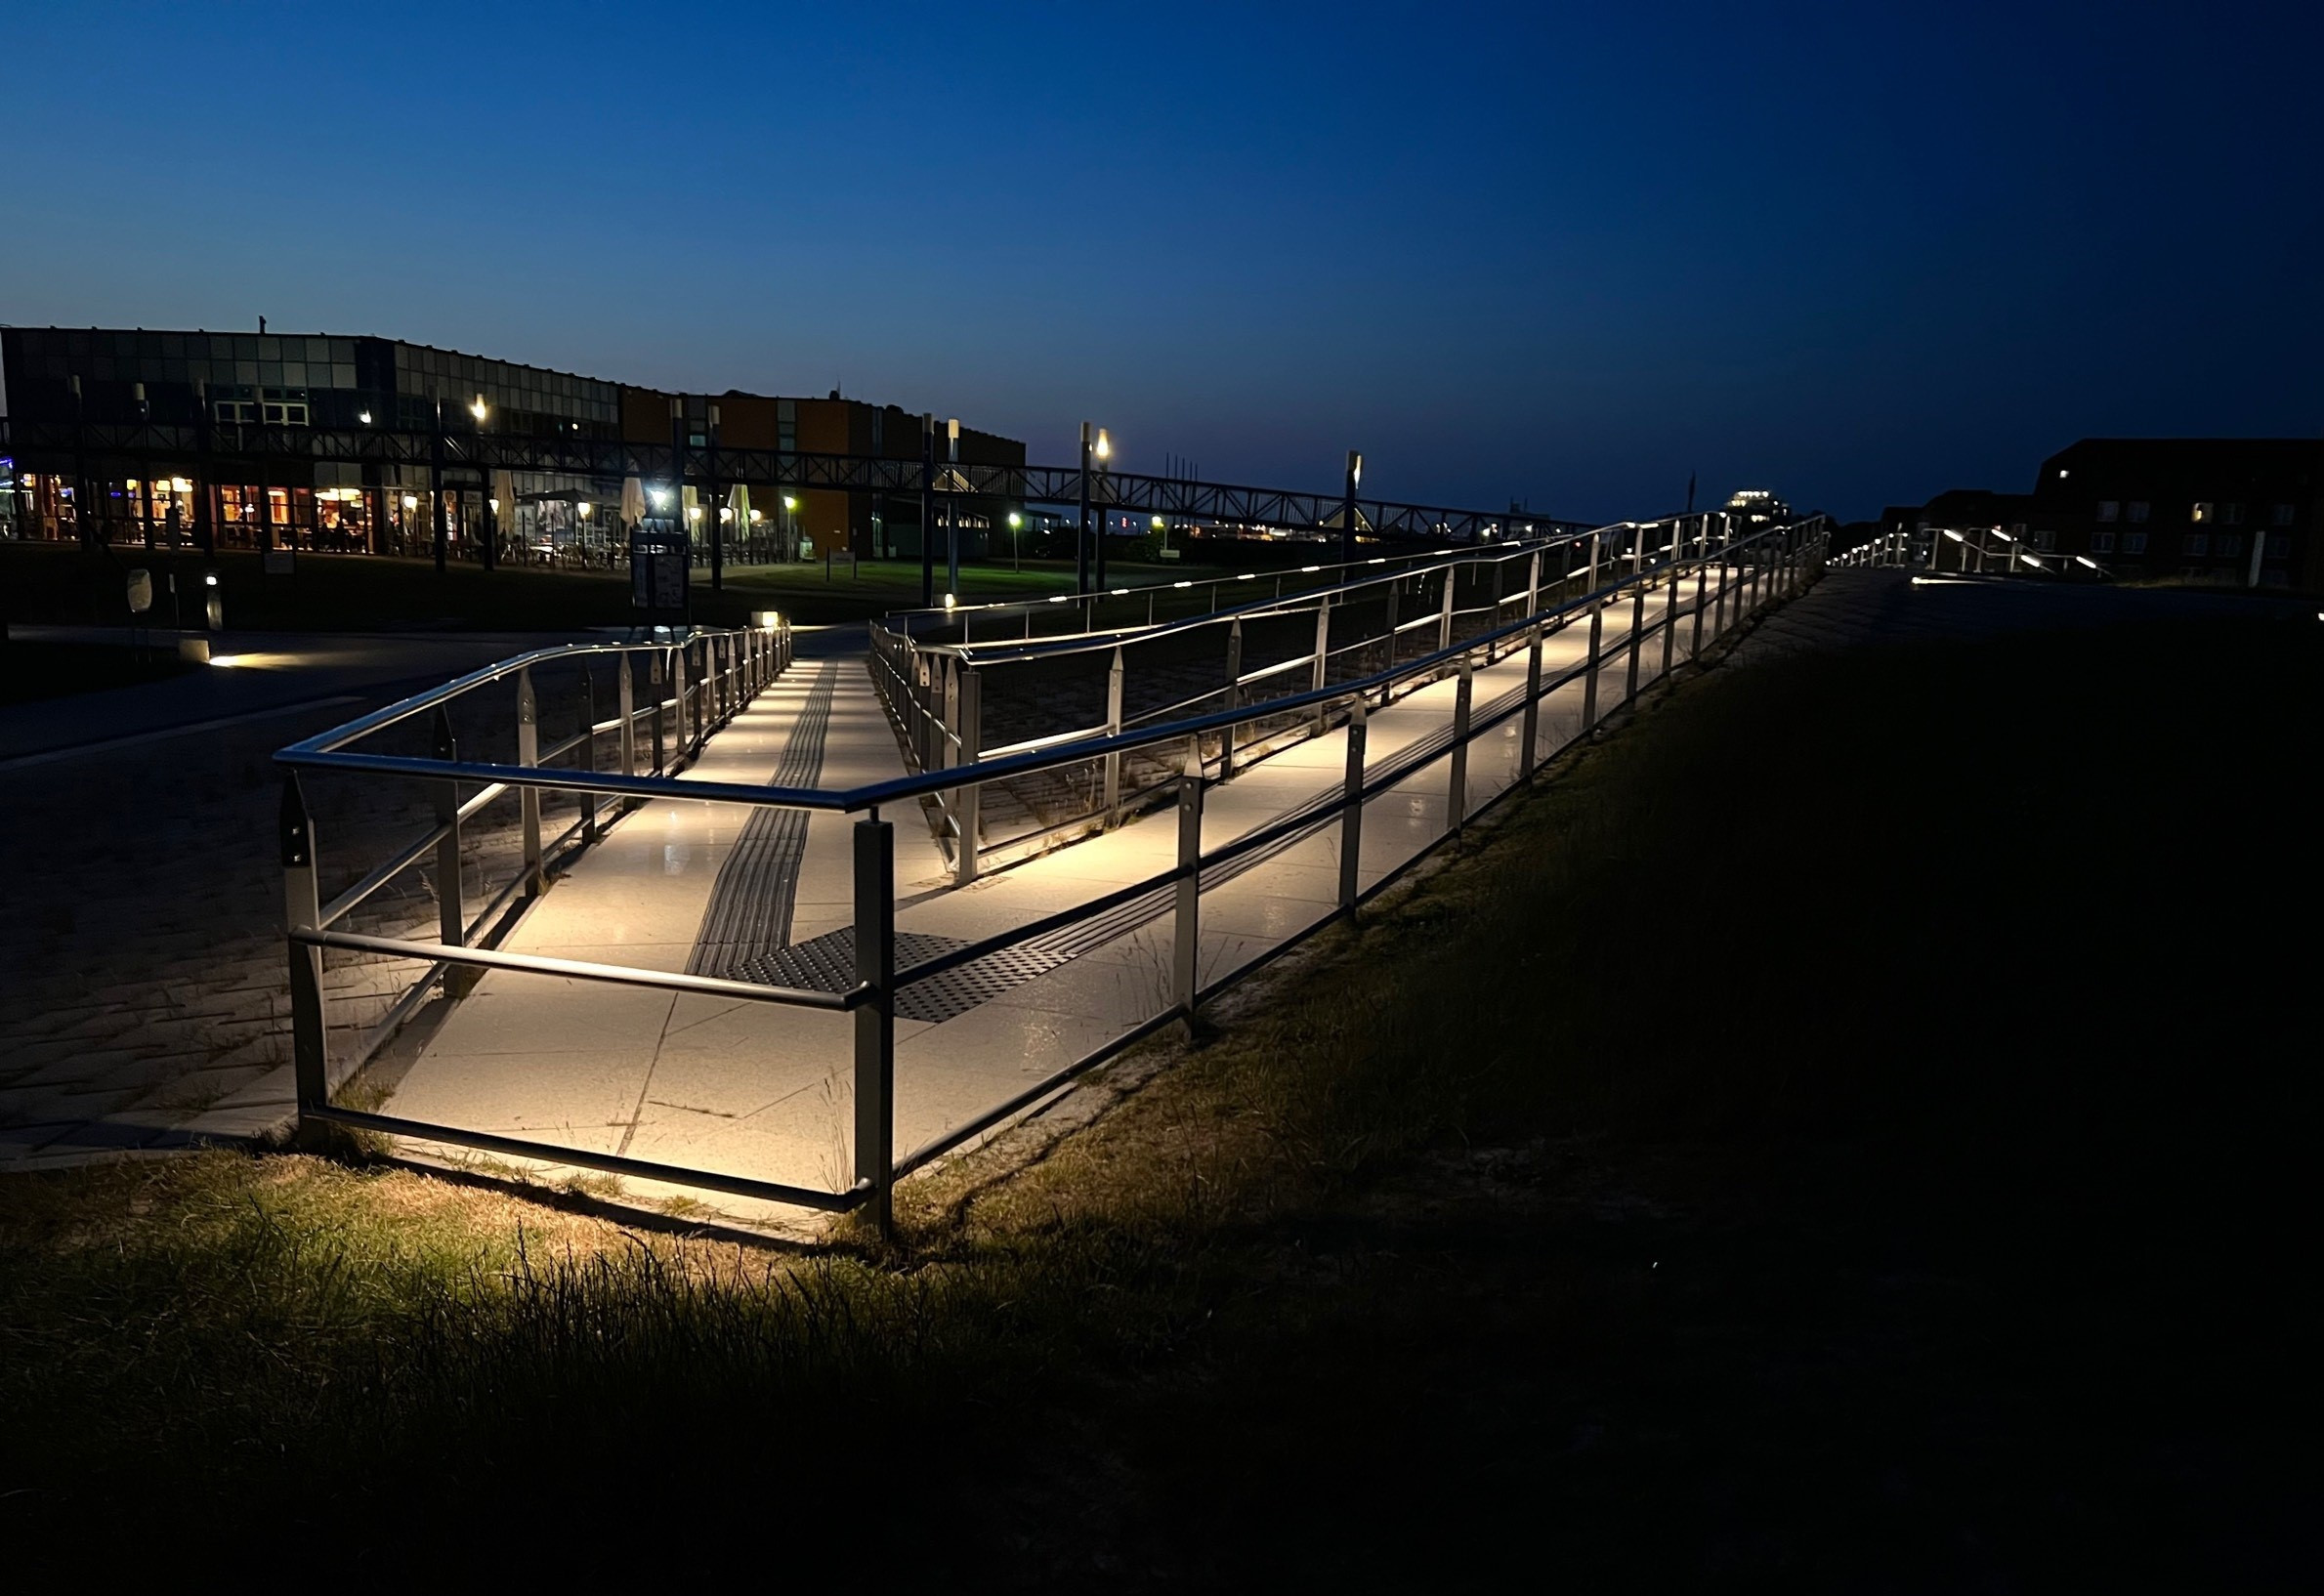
x,y
582,510
790,527
952,501
718,517
1016,541
488,549
1347,509
1096,449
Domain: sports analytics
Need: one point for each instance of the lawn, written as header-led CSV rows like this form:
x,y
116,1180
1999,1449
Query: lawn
x,y
57,583
1846,1132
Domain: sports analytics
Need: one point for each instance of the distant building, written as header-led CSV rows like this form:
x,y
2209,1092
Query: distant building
x,y
1758,507
146,436
2232,511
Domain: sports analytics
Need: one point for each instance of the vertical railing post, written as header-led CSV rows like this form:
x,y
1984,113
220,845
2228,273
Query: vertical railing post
x,y
1444,621
1186,931
1589,676
656,662
625,705
966,799
1113,730
1351,817
1670,605
1226,736
875,1017
1323,656
1638,640
1533,585
452,915
1694,648
529,798
302,910
1395,594
1595,538
1459,797
588,751
1718,628
1529,754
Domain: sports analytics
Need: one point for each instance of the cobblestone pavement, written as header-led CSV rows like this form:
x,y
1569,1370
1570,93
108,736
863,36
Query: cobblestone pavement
x,y
144,999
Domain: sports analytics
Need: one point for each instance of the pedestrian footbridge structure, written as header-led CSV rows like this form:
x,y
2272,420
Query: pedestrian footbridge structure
x,y
806,913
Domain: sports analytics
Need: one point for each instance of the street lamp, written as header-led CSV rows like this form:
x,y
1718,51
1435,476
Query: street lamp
x,y
1016,542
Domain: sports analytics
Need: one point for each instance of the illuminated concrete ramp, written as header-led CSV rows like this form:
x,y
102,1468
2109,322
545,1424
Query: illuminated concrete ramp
x,y
765,895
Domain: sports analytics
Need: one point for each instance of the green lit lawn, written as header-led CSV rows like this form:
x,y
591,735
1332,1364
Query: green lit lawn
x,y
56,584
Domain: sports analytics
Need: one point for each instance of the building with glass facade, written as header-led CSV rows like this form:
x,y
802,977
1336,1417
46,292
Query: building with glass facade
x,y
266,441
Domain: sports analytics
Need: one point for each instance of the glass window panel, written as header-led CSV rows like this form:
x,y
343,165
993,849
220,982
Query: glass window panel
x,y
343,374
247,372
294,375
319,350
270,349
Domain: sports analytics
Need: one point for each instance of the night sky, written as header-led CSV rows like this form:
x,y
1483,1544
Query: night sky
x,y
1556,254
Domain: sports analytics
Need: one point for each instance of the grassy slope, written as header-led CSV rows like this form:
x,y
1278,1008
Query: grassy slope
x,y
1918,1206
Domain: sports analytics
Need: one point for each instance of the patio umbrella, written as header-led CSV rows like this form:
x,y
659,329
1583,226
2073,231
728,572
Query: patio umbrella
x,y
737,499
633,502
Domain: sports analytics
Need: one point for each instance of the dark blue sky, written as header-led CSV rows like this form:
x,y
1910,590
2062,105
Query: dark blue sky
x,y
1858,254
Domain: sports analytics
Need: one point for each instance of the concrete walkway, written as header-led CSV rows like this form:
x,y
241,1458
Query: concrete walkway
x,y
766,1091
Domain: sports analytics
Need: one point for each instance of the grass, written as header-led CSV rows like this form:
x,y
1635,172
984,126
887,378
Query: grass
x,y
60,584
1842,1134
31,671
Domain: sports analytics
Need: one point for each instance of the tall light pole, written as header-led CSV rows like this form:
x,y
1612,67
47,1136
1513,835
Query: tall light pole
x,y
1081,539
951,511
1016,540
927,510
1347,509
490,550
1102,451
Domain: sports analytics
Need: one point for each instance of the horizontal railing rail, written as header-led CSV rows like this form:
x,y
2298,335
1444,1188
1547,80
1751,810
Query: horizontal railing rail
x,y
942,693
1750,570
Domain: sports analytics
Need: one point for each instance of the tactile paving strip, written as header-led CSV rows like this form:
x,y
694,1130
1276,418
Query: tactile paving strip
x,y
827,964
750,907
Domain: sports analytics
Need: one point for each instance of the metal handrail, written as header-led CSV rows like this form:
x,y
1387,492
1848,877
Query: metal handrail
x,y
900,620
1787,555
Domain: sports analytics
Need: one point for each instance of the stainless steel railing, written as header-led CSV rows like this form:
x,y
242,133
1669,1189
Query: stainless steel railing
x,y
942,694
1067,615
693,685
1731,576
